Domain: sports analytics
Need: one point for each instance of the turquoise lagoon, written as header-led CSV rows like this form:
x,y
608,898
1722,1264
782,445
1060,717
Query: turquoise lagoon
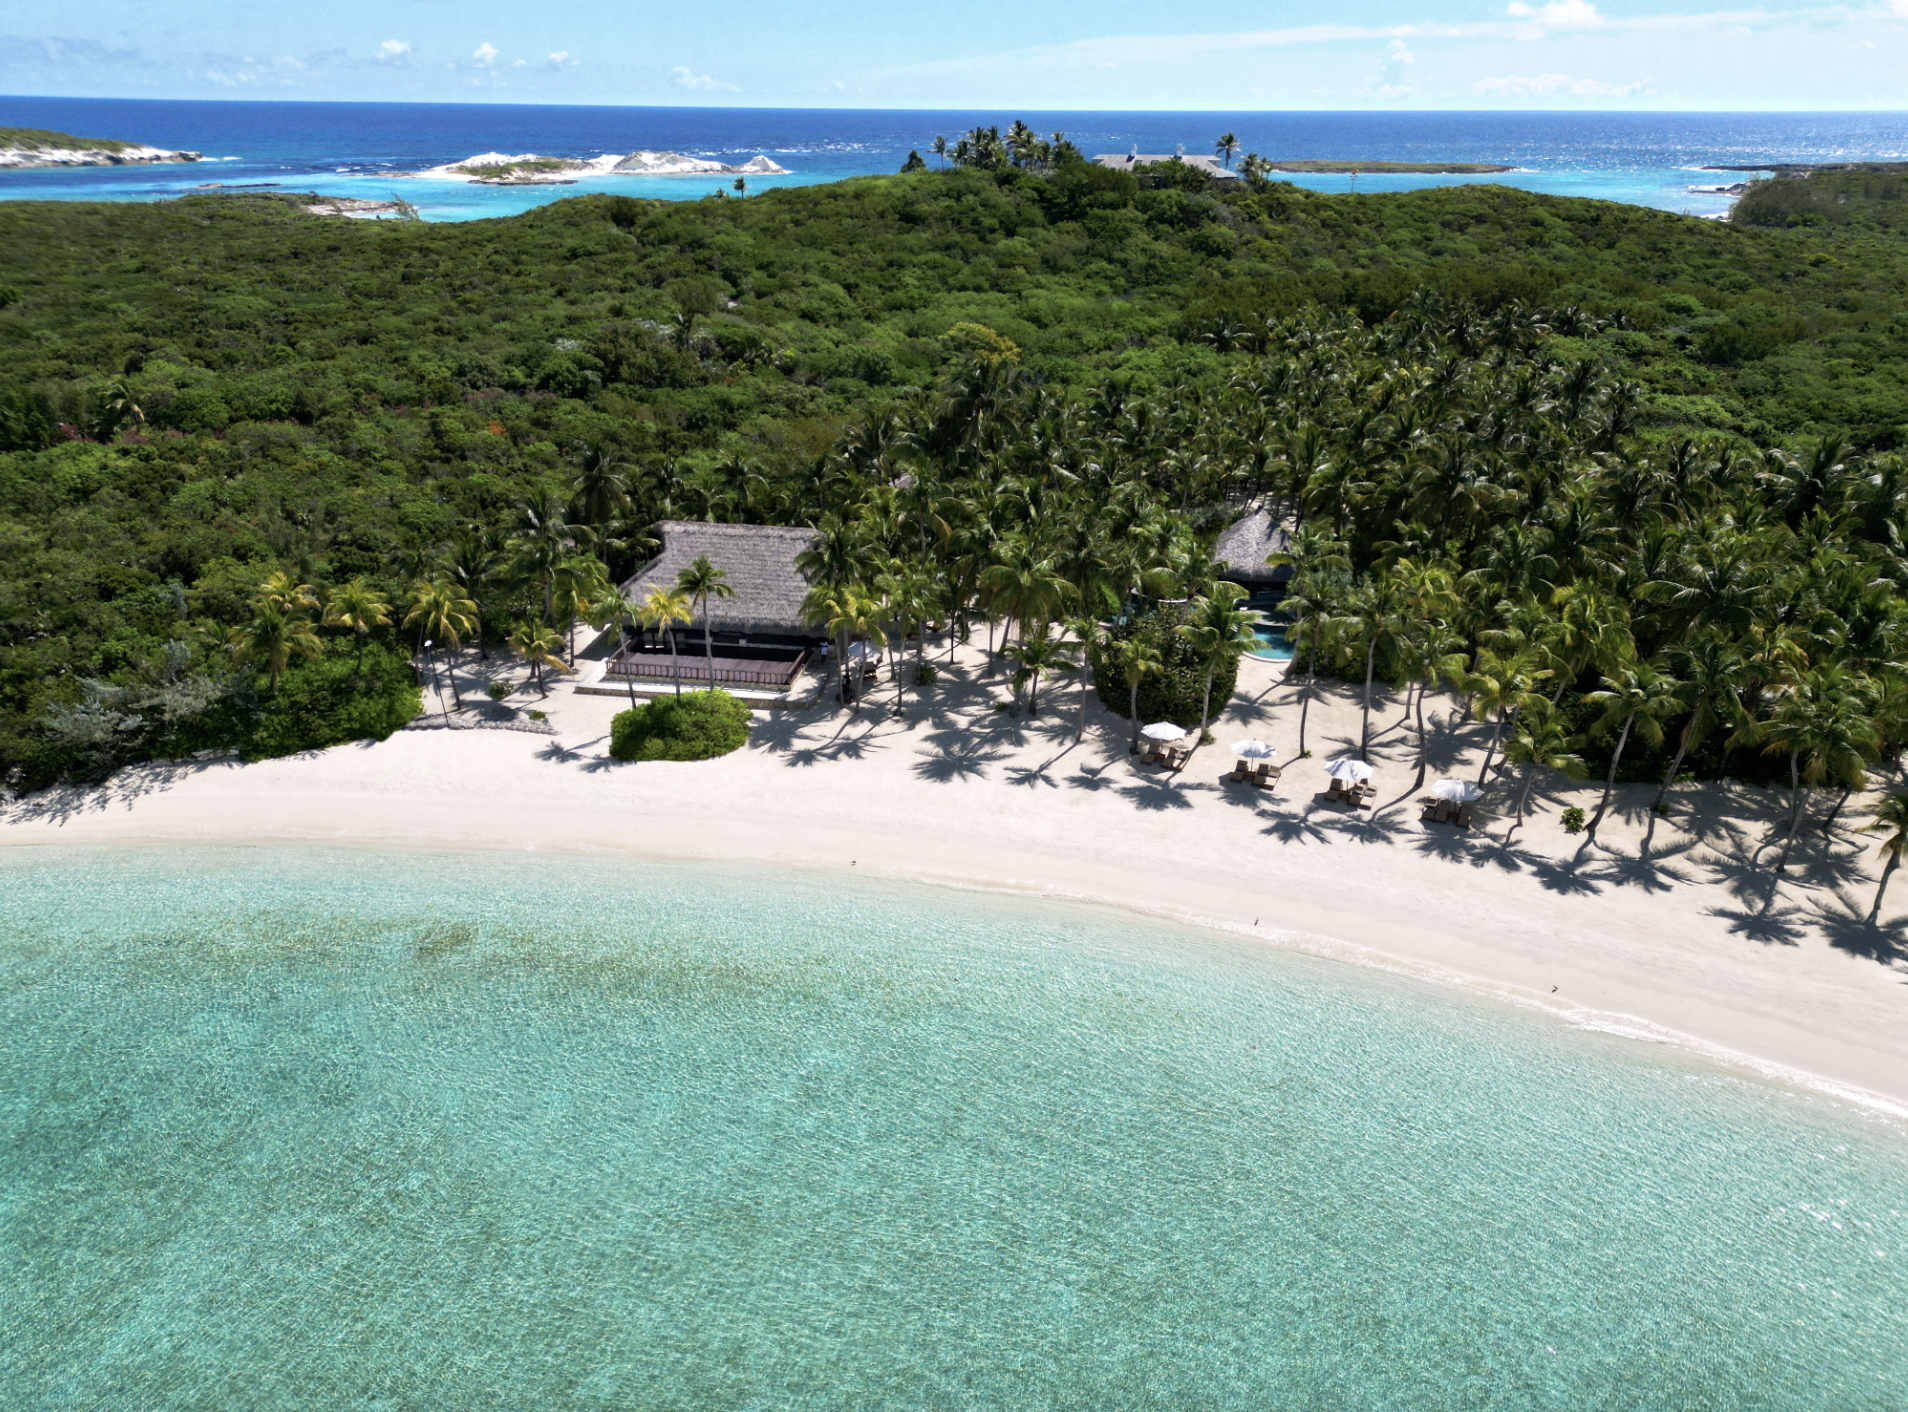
x,y
328,1128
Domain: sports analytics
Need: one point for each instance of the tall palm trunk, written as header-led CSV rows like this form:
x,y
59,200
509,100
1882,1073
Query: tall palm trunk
x,y
1840,800
1523,795
1311,681
1894,862
1079,731
675,664
1682,749
1424,754
1364,725
708,648
1490,750
1132,712
1795,808
1609,780
1205,703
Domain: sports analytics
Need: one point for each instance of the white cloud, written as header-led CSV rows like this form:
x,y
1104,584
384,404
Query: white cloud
x,y
485,54
697,83
1558,14
560,60
1553,85
1400,53
560,56
393,49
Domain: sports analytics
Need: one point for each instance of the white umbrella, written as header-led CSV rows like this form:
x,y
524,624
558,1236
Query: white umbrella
x,y
1457,791
1254,750
861,651
1348,767
1162,731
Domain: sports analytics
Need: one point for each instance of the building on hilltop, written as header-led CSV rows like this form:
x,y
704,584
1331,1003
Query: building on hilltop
x,y
1136,158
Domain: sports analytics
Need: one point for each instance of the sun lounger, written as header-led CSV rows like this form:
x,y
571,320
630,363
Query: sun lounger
x,y
1464,813
1336,790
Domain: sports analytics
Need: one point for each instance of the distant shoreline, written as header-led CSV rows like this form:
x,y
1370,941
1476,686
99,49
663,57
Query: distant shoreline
x,y
30,149
1310,168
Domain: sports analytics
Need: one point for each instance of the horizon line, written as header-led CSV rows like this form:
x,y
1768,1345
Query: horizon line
x,y
978,108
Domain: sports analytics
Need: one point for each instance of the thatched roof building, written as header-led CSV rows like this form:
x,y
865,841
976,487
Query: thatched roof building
x,y
1126,161
760,563
1245,546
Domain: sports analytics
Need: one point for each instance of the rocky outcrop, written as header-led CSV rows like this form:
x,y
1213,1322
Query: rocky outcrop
x,y
117,155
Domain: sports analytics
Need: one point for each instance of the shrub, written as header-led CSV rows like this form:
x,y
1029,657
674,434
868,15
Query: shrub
x,y
698,725
1172,695
1572,820
326,702
497,690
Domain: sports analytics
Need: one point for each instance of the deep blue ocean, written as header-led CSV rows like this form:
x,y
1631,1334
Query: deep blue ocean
x,y
360,149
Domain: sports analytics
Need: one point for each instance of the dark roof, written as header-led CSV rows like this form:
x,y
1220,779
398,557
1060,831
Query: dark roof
x,y
1245,546
759,561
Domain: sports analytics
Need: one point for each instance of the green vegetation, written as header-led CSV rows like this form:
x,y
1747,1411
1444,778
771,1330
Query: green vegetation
x,y
1175,689
1857,199
34,139
696,725
1534,444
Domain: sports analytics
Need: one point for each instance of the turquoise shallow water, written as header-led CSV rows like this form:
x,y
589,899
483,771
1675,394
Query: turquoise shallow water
x,y
289,1129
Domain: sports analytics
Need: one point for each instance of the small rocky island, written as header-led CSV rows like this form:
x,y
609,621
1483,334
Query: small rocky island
x,y
25,147
529,169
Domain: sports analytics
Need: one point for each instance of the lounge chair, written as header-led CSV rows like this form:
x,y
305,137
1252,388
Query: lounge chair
x,y
1463,814
1336,790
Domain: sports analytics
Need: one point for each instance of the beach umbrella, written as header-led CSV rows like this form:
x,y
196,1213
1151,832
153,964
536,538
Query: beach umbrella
x,y
1457,791
1348,767
1162,731
1254,750
862,651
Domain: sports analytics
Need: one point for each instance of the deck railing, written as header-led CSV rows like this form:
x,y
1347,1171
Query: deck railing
x,y
775,674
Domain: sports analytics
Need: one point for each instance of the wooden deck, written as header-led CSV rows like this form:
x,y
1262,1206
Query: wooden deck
x,y
775,674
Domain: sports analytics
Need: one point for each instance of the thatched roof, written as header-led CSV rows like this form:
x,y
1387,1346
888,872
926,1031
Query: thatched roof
x,y
759,561
1245,546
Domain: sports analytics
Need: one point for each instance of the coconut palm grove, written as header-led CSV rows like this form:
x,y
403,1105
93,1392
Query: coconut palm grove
x,y
1627,485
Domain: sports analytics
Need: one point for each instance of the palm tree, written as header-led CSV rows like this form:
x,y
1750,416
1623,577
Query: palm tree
x,y
702,581
1095,640
537,644
1541,739
662,608
600,491
1500,685
1220,632
1642,696
1715,674
1037,652
610,608
1430,652
1374,613
439,608
1320,576
1136,659
274,636
1225,147
577,579
1890,817
286,594
356,605
471,561
1825,725
939,149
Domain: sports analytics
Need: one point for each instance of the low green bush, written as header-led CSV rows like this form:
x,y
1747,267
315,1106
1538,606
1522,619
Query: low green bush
x,y
698,725
329,701
1172,695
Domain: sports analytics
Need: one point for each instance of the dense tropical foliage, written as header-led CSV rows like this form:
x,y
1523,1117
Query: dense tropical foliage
x,y
1630,483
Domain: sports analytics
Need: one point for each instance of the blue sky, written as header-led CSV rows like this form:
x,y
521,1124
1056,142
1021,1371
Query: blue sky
x,y
1036,54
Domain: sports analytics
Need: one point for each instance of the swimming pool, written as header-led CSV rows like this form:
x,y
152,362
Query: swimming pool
x,y
1273,646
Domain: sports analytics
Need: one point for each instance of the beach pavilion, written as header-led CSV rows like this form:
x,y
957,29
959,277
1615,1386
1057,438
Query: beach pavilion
x,y
1242,550
757,637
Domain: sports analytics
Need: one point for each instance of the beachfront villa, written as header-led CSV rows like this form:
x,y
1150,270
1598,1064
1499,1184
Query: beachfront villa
x,y
1243,548
1127,161
757,637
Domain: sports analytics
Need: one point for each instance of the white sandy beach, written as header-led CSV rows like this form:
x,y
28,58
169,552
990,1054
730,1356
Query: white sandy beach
x,y
1689,942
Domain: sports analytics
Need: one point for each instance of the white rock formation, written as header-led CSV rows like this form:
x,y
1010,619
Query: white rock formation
x,y
16,158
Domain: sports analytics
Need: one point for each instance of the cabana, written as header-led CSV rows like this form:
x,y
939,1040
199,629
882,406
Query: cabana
x,y
757,638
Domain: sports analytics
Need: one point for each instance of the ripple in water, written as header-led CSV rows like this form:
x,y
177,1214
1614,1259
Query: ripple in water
x,y
290,1129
